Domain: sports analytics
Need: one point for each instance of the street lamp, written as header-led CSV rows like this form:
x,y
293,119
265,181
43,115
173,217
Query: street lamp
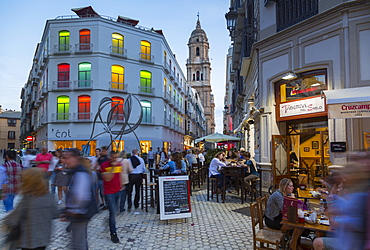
x,y
231,19
248,30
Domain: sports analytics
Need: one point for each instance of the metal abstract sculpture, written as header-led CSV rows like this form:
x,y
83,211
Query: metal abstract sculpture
x,y
111,121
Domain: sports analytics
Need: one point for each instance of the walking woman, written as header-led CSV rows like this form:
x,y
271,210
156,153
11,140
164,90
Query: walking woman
x,y
34,212
62,179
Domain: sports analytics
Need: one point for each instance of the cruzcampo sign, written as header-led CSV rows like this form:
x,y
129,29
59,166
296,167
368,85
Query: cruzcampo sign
x,y
349,110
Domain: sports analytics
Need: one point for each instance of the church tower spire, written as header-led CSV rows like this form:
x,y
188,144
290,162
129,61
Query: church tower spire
x,y
199,72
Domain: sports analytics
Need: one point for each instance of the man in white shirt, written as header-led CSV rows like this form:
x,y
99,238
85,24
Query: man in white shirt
x,y
27,159
135,178
151,158
200,157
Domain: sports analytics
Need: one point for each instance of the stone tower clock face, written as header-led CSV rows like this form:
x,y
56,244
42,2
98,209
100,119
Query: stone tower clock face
x,y
199,73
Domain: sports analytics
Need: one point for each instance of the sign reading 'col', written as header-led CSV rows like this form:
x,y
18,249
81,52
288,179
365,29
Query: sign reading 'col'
x,y
302,107
349,110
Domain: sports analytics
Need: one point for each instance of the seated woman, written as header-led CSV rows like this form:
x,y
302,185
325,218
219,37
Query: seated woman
x,y
274,207
215,166
176,165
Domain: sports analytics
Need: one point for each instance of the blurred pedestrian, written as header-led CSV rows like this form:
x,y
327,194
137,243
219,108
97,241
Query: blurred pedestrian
x,y
13,172
3,180
43,160
27,159
103,157
126,170
62,179
111,171
80,200
34,212
176,165
135,178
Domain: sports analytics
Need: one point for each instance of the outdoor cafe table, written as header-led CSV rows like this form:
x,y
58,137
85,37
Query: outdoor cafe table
x,y
305,194
237,173
298,229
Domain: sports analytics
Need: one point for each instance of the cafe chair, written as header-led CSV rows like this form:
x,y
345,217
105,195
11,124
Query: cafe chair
x,y
195,175
212,186
261,235
148,191
254,190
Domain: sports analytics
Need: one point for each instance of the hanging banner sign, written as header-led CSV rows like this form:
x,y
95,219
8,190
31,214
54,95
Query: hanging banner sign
x,y
349,110
302,107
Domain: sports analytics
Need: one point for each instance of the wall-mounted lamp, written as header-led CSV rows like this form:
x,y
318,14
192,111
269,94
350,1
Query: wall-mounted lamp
x,y
248,30
289,76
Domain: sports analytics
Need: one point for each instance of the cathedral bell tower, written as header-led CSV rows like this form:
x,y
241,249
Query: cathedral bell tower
x,y
199,73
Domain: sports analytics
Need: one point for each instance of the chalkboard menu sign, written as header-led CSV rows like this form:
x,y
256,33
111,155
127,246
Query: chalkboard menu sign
x,y
174,197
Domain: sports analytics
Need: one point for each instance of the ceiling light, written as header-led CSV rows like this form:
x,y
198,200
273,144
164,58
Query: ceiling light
x,y
289,76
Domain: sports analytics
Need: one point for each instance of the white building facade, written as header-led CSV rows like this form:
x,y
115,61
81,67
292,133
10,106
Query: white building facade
x,y
83,59
287,61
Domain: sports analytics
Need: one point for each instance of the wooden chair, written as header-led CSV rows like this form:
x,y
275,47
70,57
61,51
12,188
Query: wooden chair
x,y
262,235
148,191
212,186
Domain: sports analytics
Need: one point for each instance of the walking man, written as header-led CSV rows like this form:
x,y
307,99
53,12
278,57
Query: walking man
x,y
80,200
43,160
103,157
135,178
111,171
13,172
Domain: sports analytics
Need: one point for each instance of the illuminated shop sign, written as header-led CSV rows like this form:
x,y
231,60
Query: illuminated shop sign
x,y
350,110
302,107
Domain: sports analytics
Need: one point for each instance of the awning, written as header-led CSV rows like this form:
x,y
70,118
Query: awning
x,y
239,128
217,137
348,103
337,96
85,12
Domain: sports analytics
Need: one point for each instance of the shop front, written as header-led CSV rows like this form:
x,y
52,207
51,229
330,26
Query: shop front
x,y
83,146
301,150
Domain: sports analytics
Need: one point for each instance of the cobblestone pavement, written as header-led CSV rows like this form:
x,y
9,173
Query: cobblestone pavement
x,y
213,225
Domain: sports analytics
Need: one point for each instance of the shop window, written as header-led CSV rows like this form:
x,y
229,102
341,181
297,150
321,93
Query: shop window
x,y
84,106
84,39
118,108
63,75
12,122
304,87
145,82
145,50
11,134
118,77
118,145
147,111
145,146
84,75
117,43
62,108
64,40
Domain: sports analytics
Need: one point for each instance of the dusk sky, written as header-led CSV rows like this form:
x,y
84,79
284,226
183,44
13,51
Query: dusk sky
x,y
22,24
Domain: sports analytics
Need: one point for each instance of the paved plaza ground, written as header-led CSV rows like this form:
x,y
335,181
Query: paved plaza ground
x,y
213,225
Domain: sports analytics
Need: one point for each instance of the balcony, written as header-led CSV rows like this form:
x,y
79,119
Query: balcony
x,y
172,75
82,48
146,58
176,105
117,51
61,117
146,90
167,96
82,117
148,120
82,84
119,87
176,80
167,123
61,85
63,49
167,67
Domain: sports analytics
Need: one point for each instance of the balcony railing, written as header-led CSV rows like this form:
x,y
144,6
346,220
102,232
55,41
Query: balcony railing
x,y
84,48
118,117
148,120
176,80
61,117
166,122
117,86
117,51
167,96
83,84
146,58
172,75
61,85
62,49
146,90
167,67
82,117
